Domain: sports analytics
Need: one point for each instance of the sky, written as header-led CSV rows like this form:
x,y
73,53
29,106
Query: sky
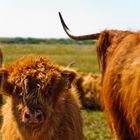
x,y
39,18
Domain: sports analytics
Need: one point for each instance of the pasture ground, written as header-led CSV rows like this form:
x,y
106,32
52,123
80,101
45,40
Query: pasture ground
x,y
85,58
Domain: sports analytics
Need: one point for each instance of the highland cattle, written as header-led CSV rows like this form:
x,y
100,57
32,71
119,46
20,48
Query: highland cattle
x,y
41,103
119,58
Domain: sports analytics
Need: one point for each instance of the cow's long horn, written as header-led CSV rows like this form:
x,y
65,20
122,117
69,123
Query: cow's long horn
x,y
82,37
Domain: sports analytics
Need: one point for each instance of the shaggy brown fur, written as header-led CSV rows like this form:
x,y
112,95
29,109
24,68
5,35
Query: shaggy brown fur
x,y
89,88
119,55
1,99
1,61
41,104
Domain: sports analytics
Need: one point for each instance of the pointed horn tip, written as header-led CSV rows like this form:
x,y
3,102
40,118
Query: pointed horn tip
x,y
63,23
60,15
61,18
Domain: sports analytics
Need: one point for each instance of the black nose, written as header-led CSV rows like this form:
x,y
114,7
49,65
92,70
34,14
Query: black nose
x,y
34,116
39,115
27,115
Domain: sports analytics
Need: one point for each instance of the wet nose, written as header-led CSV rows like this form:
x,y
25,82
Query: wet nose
x,y
39,115
27,115
36,116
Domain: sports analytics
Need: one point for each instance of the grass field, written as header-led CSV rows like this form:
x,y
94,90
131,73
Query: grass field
x,y
95,125
84,57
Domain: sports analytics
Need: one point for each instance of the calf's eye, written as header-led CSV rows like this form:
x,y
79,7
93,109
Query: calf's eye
x,y
18,91
21,94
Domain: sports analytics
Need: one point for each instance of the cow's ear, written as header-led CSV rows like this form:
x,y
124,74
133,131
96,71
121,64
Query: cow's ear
x,y
102,45
6,87
68,76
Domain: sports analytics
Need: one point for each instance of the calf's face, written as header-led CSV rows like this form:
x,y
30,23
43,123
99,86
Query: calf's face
x,y
33,97
29,101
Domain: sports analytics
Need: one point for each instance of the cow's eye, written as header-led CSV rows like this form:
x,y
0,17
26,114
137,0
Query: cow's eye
x,y
21,94
19,91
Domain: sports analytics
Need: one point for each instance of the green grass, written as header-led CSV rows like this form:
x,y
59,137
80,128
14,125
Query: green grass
x,y
84,56
95,125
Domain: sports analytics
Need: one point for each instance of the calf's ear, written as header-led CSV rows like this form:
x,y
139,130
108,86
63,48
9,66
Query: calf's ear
x,y
68,76
5,87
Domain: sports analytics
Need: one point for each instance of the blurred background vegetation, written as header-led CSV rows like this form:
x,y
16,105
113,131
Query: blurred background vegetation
x,y
29,40
84,56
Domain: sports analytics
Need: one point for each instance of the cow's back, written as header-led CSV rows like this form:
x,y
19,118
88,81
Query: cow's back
x,y
121,92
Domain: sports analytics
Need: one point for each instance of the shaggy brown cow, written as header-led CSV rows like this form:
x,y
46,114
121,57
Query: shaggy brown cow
x,y
1,61
119,56
1,99
88,86
41,104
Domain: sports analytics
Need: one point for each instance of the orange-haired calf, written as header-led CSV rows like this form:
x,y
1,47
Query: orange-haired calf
x,y
41,104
